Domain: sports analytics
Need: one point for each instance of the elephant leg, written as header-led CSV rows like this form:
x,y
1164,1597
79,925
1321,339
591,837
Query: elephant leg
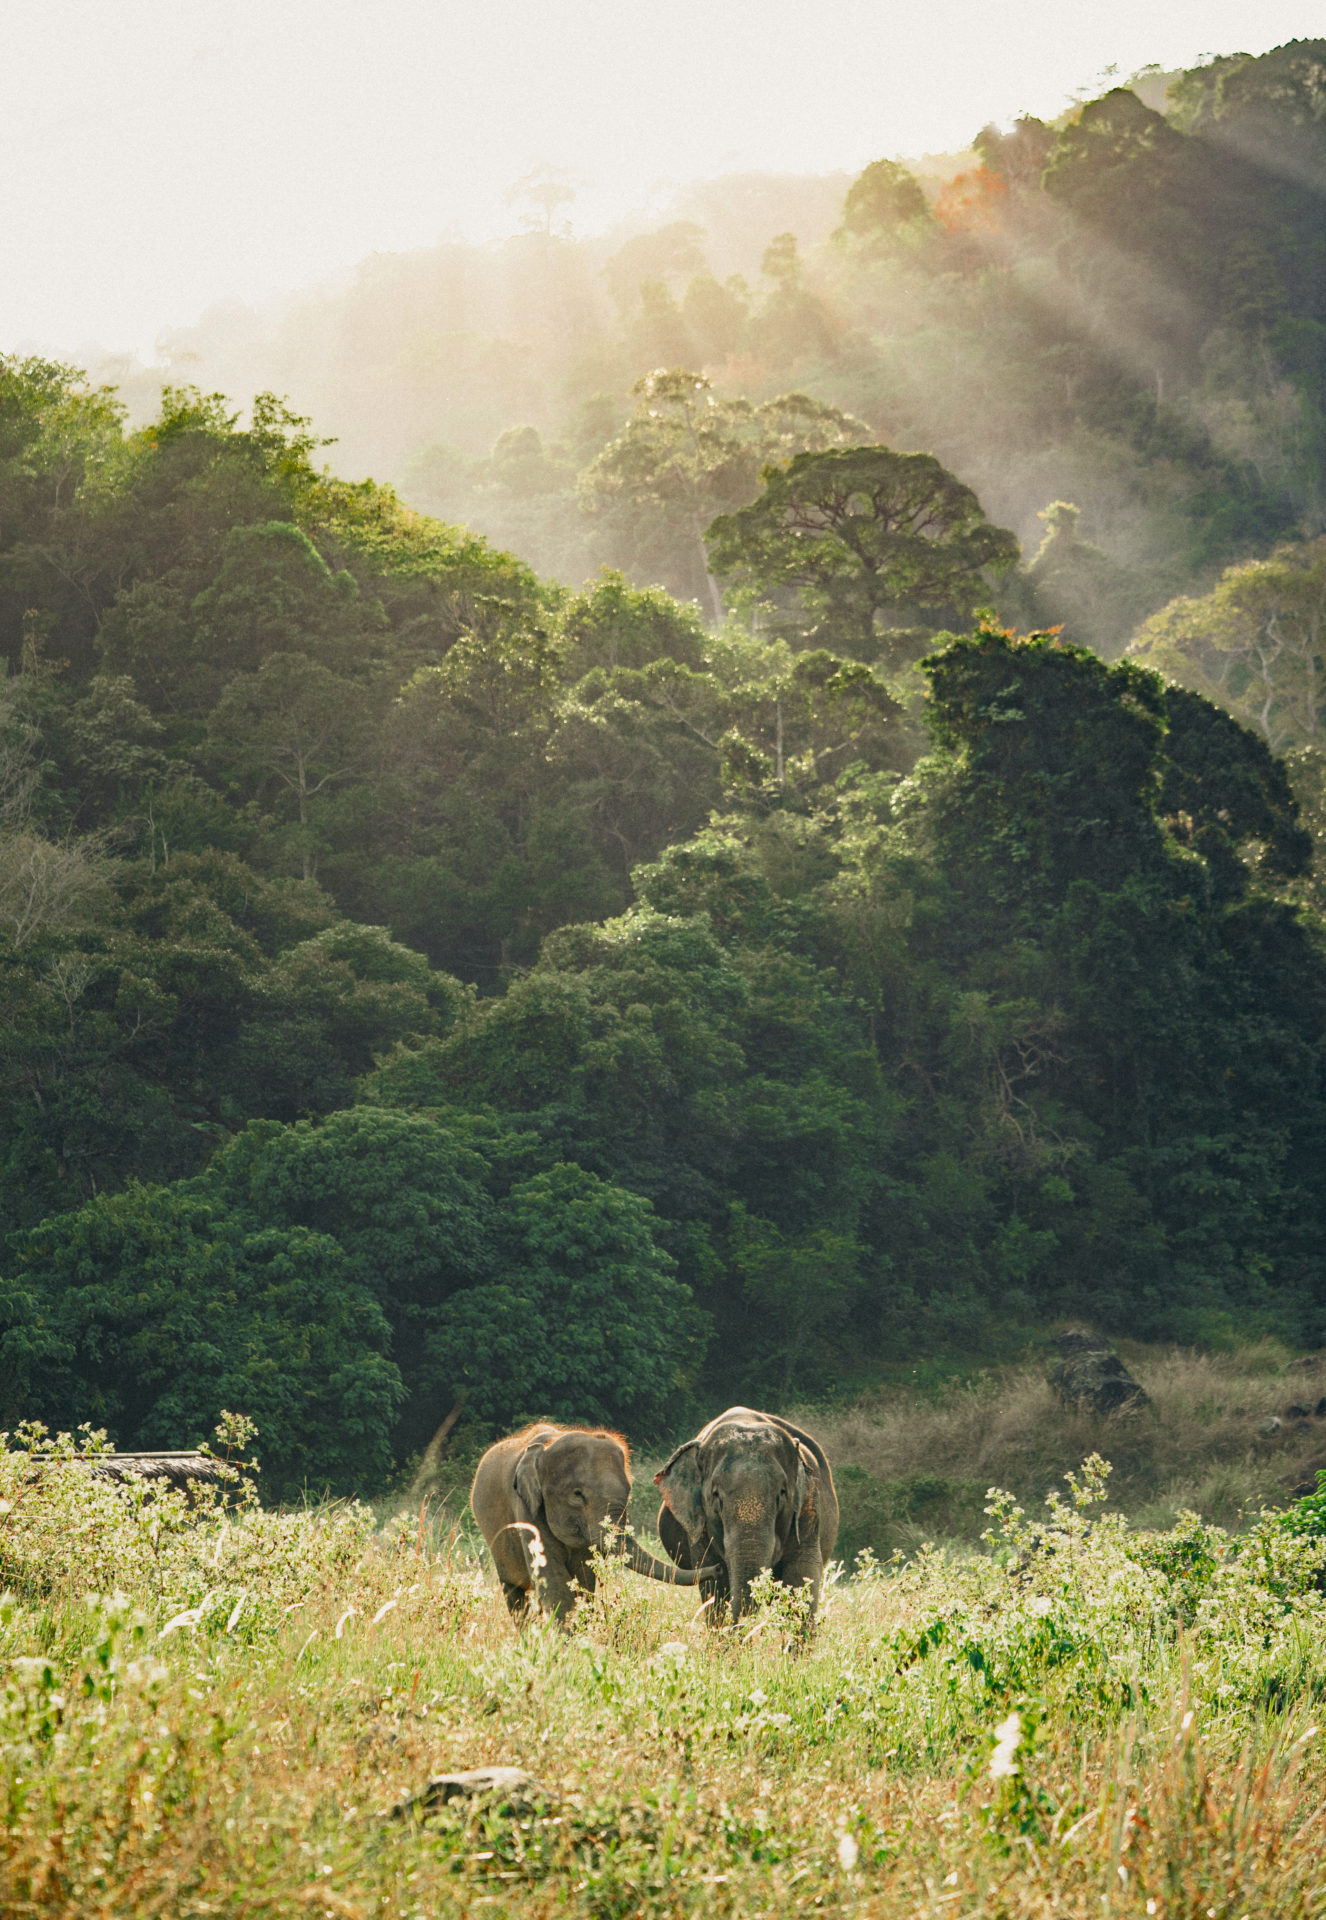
x,y
517,1599
677,1543
557,1593
804,1568
676,1540
718,1594
715,1614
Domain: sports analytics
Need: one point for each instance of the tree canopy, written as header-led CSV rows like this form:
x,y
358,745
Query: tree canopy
x,y
427,986
859,533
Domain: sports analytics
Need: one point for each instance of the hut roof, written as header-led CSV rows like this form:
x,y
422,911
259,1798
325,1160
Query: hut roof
x,y
176,1469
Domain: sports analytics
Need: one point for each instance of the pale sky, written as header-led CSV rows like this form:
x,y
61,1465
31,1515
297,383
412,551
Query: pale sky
x,y
159,155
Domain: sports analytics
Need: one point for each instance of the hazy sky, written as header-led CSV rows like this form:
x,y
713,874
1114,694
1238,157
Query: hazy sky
x,y
158,155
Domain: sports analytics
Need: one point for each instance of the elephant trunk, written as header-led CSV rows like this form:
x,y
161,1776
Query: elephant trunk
x,y
641,1561
747,1556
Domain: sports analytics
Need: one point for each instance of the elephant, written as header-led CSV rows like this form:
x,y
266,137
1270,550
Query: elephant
x,y
750,1491
559,1487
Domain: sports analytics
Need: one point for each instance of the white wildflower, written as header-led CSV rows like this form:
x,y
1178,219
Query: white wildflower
x,y
33,1666
848,1852
146,1673
1008,1737
672,1655
538,1559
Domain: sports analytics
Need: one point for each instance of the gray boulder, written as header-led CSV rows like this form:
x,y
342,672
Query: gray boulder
x,y
1091,1378
508,1790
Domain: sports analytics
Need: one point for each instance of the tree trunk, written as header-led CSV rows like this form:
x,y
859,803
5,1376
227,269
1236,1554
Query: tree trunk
x,y
715,597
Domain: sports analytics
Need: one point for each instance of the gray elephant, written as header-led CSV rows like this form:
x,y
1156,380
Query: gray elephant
x,y
557,1487
751,1491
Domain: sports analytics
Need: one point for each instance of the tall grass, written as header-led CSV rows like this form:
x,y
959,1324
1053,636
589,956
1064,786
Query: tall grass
x,y
1080,1720
915,1464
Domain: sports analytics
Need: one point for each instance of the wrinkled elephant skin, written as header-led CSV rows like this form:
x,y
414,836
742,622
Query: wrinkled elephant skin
x,y
543,1500
750,1492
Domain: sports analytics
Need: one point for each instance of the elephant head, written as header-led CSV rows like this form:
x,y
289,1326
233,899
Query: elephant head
x,y
578,1485
743,1492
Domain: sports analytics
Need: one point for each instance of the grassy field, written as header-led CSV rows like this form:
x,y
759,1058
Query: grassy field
x,y
215,1714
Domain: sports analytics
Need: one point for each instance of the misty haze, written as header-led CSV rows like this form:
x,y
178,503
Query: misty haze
x,y
663,967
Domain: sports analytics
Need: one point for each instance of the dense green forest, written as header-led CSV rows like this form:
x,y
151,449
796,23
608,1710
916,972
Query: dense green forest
x,y
820,939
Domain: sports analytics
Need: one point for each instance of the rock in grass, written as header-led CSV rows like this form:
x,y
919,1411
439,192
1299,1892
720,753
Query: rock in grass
x,y
510,1790
1092,1378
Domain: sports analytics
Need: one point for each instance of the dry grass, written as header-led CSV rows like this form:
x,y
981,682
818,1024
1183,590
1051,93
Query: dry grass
x,y
240,1760
930,1457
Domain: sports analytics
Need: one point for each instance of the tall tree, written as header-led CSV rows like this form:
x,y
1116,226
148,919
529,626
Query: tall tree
x,y
856,534
298,726
684,455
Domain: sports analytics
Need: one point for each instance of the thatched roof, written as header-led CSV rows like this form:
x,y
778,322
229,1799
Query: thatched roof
x,y
175,1469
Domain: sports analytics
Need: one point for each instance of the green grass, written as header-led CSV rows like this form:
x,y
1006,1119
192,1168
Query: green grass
x,y
228,1733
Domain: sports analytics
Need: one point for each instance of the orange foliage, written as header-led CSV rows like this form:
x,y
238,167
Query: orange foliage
x,y
973,202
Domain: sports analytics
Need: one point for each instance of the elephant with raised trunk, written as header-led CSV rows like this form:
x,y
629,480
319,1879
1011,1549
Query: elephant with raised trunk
x,y
750,1492
546,1500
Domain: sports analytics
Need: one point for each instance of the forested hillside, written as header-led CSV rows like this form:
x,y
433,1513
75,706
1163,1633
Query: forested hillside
x,y
1122,310
424,978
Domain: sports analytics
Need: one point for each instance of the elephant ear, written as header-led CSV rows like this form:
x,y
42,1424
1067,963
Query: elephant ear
x,y
679,1484
805,1489
528,1482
